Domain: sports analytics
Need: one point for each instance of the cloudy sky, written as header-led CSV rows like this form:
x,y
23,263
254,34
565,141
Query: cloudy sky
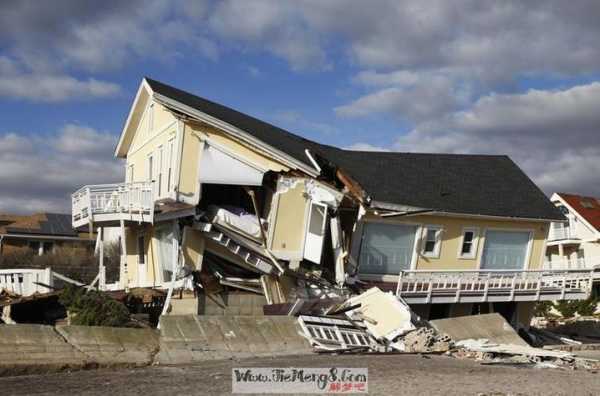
x,y
517,78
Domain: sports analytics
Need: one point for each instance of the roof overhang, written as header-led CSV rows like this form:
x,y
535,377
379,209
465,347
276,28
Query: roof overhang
x,y
407,210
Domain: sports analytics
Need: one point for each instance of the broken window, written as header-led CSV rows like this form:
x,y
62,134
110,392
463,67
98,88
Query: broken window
x,y
386,248
432,241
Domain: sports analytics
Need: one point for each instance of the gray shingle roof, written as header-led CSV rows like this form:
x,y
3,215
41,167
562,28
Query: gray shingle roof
x,y
491,185
56,224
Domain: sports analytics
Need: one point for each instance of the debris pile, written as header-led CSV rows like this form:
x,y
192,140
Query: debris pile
x,y
373,321
378,322
508,354
426,340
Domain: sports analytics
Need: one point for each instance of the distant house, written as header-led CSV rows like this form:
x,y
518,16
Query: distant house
x,y
574,244
40,233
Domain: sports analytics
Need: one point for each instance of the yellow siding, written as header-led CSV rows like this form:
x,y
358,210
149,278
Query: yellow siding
x,y
188,174
147,142
452,238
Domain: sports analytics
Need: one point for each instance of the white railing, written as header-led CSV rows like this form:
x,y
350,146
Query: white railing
x,y
23,282
481,285
572,263
558,232
112,199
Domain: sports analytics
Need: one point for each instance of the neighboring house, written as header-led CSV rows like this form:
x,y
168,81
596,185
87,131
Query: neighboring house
x,y
574,244
236,202
40,233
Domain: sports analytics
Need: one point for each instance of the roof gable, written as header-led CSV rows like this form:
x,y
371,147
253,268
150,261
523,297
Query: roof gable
x,y
586,207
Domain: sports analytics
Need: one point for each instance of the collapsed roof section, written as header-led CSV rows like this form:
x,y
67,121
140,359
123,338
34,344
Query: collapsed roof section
x,y
481,185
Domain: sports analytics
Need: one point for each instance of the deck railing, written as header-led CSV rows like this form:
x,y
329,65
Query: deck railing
x,y
558,232
503,285
24,282
572,263
134,199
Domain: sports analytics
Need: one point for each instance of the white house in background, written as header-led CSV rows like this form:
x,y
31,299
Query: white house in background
x,y
574,244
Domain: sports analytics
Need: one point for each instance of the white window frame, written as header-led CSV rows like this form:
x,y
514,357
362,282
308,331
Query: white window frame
x,y
130,173
474,243
526,264
170,162
151,119
357,239
438,241
159,173
150,167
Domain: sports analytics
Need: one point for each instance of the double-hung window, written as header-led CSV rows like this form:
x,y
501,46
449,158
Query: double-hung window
x,y
468,245
432,240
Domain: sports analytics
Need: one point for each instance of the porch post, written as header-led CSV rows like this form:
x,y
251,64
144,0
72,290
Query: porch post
x,y
123,264
101,270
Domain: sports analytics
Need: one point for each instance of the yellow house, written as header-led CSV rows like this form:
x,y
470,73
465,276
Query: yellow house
x,y
217,200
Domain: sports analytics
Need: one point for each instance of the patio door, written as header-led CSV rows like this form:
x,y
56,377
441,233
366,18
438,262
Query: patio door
x,y
505,250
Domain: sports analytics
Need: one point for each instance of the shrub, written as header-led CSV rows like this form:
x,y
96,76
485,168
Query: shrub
x,y
543,309
93,308
568,308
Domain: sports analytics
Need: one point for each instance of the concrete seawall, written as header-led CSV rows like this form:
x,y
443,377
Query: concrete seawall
x,y
187,339
182,339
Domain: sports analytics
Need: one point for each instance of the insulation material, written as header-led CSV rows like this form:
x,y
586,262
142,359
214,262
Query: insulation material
x,y
218,167
385,316
323,194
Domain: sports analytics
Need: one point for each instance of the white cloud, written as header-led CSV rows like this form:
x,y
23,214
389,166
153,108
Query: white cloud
x,y
554,135
41,87
365,147
276,26
39,172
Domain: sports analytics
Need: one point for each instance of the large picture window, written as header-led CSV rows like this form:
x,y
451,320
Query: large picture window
x,y
505,250
386,249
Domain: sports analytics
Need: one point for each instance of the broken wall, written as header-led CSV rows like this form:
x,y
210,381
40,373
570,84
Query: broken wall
x,y
287,222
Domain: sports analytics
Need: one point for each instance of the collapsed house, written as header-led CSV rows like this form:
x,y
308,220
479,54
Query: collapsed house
x,y
222,203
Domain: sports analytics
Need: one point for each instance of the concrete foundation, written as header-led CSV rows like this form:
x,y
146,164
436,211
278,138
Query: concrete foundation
x,y
491,326
231,304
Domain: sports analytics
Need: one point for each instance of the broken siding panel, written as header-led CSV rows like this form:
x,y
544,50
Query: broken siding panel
x,y
193,248
288,221
188,190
